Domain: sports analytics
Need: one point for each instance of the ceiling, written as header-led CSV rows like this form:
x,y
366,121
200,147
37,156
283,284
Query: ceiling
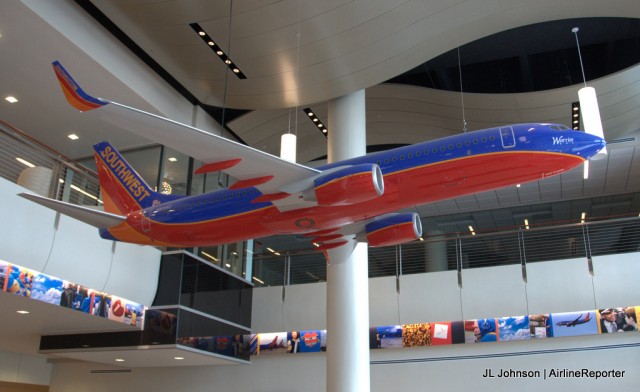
x,y
303,53
43,318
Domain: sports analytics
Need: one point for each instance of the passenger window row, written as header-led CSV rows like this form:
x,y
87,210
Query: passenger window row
x,y
434,150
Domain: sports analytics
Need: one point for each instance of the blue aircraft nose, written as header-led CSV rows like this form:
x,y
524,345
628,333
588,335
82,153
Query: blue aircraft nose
x,y
579,143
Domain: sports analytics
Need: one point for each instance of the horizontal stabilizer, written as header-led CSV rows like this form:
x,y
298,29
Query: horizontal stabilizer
x,y
96,218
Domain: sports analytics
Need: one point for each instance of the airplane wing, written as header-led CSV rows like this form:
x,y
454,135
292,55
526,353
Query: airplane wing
x,y
96,218
268,173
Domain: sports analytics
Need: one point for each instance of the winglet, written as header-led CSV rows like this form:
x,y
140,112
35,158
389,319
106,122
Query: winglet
x,y
73,92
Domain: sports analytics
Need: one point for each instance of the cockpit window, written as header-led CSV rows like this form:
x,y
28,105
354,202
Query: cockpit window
x,y
559,127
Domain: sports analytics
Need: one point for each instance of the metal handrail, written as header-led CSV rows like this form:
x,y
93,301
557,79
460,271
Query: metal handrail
x,y
67,179
458,252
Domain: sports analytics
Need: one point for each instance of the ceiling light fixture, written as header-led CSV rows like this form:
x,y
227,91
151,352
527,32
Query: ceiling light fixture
x,y
589,105
25,162
11,99
166,188
575,116
217,50
173,159
209,256
312,116
288,147
258,280
77,189
585,170
473,232
526,224
73,136
583,216
119,360
22,311
178,358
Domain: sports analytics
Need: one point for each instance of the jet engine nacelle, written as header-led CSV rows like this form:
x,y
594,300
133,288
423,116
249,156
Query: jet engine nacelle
x,y
347,185
394,229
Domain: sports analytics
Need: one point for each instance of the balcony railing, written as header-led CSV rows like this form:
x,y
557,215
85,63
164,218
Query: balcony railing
x,y
27,162
459,252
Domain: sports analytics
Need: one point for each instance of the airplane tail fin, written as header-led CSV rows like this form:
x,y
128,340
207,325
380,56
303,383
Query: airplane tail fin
x,y
74,93
123,190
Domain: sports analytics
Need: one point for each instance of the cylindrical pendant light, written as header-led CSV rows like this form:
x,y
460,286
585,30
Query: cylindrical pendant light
x,y
589,108
591,115
288,144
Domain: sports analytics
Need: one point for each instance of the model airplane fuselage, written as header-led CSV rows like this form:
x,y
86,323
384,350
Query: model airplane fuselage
x,y
331,203
436,170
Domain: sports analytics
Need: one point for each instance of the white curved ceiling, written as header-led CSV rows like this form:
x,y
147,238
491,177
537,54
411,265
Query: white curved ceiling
x,y
343,45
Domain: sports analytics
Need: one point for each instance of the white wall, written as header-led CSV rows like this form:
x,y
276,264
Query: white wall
x,y
556,286
417,369
553,286
20,368
34,237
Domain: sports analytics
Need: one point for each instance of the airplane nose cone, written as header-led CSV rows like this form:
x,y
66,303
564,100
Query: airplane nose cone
x,y
587,145
602,149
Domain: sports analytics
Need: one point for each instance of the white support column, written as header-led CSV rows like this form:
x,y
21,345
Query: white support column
x,y
436,252
348,265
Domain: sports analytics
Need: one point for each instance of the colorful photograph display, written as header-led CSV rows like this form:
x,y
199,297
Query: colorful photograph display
x,y
389,336
272,343
540,326
514,328
614,320
480,331
311,341
37,286
574,323
504,329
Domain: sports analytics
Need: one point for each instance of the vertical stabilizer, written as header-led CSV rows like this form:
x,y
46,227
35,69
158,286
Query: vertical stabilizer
x,y
123,190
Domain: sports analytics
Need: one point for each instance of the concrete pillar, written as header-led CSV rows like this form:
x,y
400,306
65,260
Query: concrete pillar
x,y
348,265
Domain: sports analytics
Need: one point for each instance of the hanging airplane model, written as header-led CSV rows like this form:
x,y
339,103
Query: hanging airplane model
x,y
331,204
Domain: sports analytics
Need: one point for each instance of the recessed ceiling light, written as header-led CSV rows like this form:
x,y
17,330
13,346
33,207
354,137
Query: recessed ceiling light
x,y
11,99
173,159
119,360
315,120
178,358
25,162
216,48
22,311
73,136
